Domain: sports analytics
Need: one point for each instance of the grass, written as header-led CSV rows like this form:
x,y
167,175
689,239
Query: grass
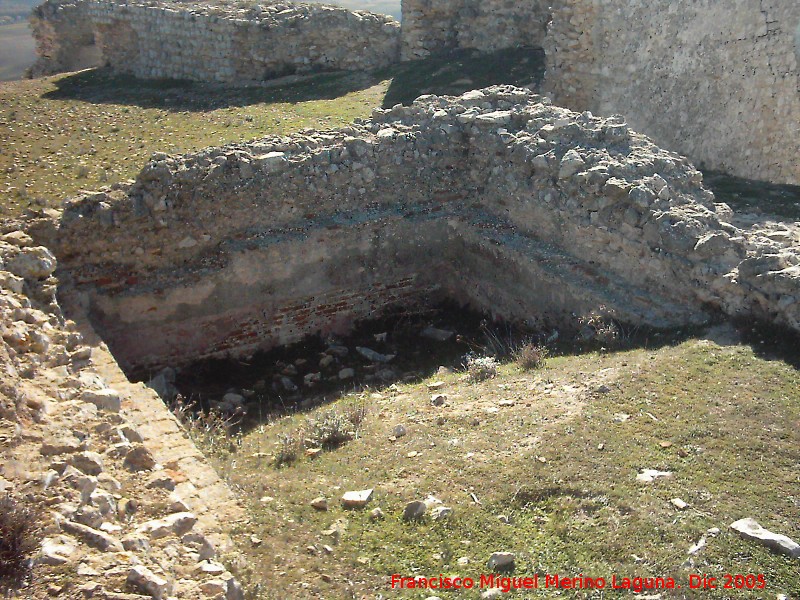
x,y
84,130
72,132
549,453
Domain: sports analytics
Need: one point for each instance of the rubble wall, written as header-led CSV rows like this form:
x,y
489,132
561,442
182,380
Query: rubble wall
x,y
225,42
716,81
431,26
494,198
123,498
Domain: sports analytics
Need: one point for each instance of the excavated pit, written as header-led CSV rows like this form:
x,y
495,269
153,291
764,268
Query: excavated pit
x,y
525,212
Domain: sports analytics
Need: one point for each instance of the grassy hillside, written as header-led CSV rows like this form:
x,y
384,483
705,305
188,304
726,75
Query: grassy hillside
x,y
17,50
85,130
542,464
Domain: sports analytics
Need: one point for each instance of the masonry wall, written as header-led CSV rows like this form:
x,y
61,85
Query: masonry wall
x,y
431,26
221,42
493,199
716,81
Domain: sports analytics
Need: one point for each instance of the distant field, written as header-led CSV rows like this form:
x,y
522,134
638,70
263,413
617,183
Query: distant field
x,y
17,51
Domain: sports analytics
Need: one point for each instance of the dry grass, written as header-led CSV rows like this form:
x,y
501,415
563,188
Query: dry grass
x,y
18,540
548,452
530,356
81,131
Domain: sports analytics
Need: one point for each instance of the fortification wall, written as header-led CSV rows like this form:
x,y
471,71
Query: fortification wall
x,y
220,42
716,81
495,199
431,26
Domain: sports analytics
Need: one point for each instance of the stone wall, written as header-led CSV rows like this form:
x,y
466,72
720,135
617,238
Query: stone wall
x,y
122,497
431,26
495,199
220,42
716,81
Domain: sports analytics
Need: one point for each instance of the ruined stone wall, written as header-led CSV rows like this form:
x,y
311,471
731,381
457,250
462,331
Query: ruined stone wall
x,y
121,495
716,81
220,42
496,199
431,26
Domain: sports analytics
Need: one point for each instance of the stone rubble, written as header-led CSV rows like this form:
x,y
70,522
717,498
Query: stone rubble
x,y
74,435
751,529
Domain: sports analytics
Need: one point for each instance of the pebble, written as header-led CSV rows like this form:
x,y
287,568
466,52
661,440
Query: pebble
x,y
751,529
319,503
414,511
499,561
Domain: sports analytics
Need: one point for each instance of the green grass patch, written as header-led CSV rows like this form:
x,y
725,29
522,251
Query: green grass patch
x,y
552,479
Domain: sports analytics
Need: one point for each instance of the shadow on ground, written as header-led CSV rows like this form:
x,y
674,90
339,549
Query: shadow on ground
x,y
457,72
757,197
451,74
276,379
101,86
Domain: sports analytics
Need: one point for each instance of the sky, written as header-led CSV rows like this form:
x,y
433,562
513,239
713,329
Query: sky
x,y
387,7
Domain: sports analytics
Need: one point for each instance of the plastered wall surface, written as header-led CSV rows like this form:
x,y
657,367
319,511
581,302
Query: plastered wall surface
x,y
431,26
716,81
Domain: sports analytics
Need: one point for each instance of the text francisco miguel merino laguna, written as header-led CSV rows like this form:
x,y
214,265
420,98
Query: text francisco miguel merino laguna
x,y
507,584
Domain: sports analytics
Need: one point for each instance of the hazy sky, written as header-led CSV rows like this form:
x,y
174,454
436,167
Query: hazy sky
x,y
387,7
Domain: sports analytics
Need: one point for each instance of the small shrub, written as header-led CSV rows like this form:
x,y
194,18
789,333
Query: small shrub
x,y
330,430
356,412
598,326
530,356
289,449
18,540
209,430
480,368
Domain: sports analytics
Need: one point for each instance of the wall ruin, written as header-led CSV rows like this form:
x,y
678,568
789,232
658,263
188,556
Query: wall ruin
x,y
716,81
221,42
431,26
495,199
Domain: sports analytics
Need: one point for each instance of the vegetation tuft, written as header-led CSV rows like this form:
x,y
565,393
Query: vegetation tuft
x,y
530,356
18,540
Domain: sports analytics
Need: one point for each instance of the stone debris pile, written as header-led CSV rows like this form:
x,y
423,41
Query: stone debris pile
x,y
111,519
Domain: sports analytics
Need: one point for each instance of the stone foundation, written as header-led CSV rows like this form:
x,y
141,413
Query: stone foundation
x,y
495,199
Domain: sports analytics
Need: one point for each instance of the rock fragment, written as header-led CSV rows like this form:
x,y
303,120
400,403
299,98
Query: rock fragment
x,y
751,529
356,499
144,580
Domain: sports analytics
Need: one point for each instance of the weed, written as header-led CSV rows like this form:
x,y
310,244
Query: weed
x,y
598,326
530,356
329,430
480,368
18,540
210,430
289,449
